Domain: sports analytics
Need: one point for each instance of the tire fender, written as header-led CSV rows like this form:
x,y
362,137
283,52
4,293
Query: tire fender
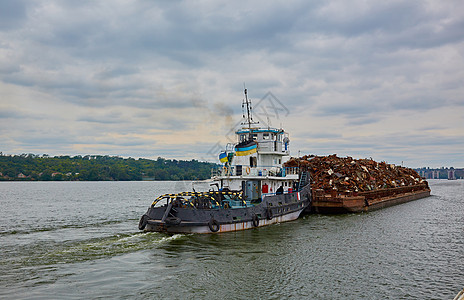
x,y
143,222
214,225
269,215
255,220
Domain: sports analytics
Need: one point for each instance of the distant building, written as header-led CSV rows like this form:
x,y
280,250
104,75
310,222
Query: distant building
x,y
451,174
21,175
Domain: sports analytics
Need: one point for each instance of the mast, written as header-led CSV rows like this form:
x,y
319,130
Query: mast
x,y
248,112
249,119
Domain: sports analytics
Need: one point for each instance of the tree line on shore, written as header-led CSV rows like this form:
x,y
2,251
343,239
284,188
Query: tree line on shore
x,y
99,168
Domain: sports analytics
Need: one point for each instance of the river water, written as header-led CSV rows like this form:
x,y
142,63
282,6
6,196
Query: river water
x,y
74,240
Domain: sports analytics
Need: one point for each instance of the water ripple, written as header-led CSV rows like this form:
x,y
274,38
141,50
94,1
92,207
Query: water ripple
x,y
410,251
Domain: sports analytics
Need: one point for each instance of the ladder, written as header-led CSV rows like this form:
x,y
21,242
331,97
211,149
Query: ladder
x,y
303,180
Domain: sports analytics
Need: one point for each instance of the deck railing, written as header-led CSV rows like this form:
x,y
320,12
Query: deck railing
x,y
246,170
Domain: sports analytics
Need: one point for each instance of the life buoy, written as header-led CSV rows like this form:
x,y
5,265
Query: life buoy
x,y
173,220
226,205
269,215
247,170
255,220
214,225
143,222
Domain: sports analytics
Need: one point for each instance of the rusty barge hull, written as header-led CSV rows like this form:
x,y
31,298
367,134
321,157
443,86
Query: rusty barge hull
x,y
338,204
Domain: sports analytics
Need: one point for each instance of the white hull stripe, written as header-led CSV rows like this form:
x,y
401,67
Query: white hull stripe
x,y
234,226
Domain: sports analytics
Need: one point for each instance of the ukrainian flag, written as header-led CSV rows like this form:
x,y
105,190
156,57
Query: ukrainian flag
x,y
247,149
223,157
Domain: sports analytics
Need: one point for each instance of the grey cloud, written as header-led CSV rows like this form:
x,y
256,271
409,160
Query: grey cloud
x,y
357,112
320,135
364,120
406,23
21,114
118,71
414,149
173,65
10,114
103,120
13,14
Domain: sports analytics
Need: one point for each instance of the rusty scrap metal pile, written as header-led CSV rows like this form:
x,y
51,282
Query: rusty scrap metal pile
x,y
345,174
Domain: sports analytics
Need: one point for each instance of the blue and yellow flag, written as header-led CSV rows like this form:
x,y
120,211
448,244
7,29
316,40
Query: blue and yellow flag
x,y
247,149
223,157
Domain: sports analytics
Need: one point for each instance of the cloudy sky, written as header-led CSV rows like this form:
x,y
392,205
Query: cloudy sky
x,y
380,79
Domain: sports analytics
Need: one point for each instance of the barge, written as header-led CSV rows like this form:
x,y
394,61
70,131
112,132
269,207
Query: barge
x,y
347,185
366,201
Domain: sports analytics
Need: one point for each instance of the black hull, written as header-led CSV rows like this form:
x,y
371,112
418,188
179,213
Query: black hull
x,y
273,209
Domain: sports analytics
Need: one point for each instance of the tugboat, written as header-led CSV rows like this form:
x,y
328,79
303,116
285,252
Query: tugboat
x,y
253,189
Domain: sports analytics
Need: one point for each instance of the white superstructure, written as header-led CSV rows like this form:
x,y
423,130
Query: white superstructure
x,y
254,163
